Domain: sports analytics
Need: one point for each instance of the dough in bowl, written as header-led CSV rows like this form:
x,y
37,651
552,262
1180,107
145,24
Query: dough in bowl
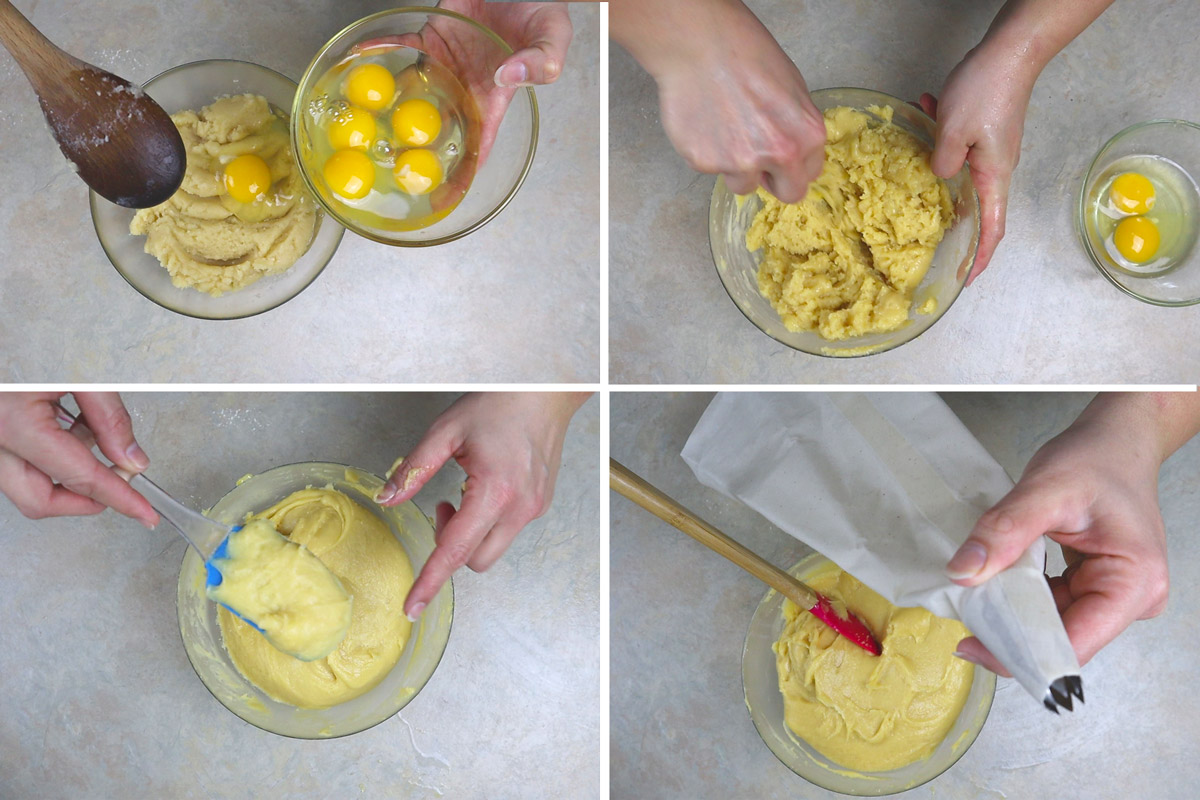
x,y
847,259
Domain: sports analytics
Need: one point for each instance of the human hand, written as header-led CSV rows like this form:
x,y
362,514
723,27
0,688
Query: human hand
x,y
509,444
50,472
1094,490
539,33
980,119
733,103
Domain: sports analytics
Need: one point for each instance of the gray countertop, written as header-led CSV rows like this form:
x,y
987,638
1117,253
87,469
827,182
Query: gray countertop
x,y
679,615
517,301
1041,313
99,697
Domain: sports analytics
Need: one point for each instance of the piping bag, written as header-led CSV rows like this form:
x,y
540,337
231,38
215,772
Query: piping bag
x,y
888,486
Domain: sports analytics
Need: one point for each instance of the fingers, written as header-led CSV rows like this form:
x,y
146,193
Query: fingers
x,y
1007,530
543,49
1100,596
928,103
63,457
430,454
789,182
493,545
993,206
36,496
108,420
458,536
971,649
949,152
742,182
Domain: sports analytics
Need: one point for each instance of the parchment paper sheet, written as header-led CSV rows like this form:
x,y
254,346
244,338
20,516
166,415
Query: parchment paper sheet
x,y
888,486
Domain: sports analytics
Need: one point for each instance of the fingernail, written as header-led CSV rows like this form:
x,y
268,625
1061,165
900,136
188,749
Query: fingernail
x,y
415,614
968,562
137,456
967,657
512,75
386,493
550,70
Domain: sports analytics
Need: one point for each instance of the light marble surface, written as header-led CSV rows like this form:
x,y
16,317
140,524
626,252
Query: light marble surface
x,y
517,301
99,697
1041,313
679,614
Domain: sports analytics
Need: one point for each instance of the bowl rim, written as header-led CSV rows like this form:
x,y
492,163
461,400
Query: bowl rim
x,y
349,224
93,204
831,352
1081,211
793,570
437,663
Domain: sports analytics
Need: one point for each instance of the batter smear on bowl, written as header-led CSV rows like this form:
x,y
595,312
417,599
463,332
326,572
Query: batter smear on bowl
x,y
847,259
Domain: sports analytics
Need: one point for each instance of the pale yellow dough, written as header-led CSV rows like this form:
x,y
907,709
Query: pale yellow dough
x,y
206,239
373,567
847,259
279,585
870,713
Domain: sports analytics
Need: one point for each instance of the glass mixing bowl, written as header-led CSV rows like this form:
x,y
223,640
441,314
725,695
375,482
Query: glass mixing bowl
x,y
760,681
206,649
477,47
730,217
193,86
1176,141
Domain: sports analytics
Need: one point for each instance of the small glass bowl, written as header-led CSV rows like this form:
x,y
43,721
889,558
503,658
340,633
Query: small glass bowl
x,y
1175,140
730,217
206,648
760,681
496,183
193,86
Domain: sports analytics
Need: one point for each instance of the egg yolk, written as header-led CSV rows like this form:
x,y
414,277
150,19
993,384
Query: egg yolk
x,y
418,171
247,177
1132,193
416,122
1136,239
349,173
370,86
353,128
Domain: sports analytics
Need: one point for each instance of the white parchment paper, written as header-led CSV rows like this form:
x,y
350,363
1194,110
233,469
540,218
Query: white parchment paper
x,y
888,486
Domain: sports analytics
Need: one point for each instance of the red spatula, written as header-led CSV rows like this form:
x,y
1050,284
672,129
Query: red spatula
x,y
666,509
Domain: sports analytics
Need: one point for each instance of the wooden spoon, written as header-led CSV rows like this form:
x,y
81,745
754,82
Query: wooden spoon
x,y
666,509
120,141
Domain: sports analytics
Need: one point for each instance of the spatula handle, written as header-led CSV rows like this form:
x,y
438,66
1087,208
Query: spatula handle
x,y
633,487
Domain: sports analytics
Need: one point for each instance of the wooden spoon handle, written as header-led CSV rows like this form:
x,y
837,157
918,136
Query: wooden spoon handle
x,y
40,60
666,509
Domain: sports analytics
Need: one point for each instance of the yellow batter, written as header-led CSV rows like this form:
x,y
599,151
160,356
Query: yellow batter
x,y
870,713
280,586
360,550
846,260
205,238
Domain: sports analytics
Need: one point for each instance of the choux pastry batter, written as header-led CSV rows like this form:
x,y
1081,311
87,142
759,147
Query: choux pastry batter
x,y
847,259
280,586
371,564
870,713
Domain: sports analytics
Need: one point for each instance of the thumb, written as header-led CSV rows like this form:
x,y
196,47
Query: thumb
x,y
1007,530
528,67
546,38
109,422
949,152
412,472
